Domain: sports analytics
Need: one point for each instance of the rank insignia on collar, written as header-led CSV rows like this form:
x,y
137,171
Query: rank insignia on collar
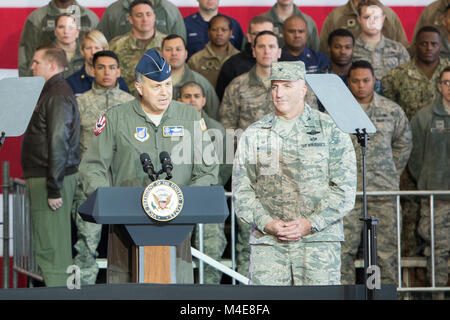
x,y
141,134
100,125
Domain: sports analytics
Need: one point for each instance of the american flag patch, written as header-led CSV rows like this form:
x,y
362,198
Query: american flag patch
x,y
100,125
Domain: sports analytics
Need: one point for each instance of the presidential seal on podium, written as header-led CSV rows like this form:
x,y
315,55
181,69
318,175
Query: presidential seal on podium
x,y
162,200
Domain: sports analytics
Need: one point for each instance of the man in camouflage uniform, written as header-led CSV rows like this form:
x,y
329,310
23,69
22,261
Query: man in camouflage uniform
x,y
40,26
432,16
115,20
147,125
143,36
413,86
210,59
383,53
386,156
429,167
175,53
346,17
246,100
282,10
294,179
92,104
244,60
445,51
213,233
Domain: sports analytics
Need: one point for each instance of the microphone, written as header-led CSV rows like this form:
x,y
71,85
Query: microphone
x,y
166,163
147,165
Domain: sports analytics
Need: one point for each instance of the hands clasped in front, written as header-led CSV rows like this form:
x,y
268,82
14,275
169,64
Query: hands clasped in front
x,y
289,231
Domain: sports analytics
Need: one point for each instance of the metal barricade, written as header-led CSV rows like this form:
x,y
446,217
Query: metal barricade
x,y
24,261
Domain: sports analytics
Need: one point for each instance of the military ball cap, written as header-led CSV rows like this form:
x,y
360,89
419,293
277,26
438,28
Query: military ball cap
x,y
287,71
154,66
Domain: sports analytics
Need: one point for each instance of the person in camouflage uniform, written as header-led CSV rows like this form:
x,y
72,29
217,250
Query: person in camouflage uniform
x,y
115,20
213,233
210,59
40,26
247,97
445,50
67,38
431,16
346,17
125,132
246,100
282,10
383,53
413,86
429,167
175,53
92,104
143,36
294,179
386,157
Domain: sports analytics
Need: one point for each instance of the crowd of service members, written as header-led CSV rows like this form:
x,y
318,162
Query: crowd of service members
x,y
404,89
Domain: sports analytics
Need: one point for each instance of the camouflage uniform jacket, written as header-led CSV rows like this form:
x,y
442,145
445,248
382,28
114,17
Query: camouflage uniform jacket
x,y
388,150
39,30
208,63
129,53
245,101
387,55
345,17
92,105
429,161
432,16
128,133
313,34
114,21
212,102
408,86
445,50
75,64
219,138
309,172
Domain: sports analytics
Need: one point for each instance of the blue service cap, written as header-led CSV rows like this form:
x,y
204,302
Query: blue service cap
x,y
153,66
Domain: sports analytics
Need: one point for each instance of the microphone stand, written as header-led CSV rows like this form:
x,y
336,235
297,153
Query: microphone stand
x,y
370,223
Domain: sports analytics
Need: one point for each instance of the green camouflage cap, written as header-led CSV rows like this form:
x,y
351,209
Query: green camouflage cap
x,y
287,71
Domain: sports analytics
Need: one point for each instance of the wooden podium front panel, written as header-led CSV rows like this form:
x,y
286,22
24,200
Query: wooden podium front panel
x,y
157,264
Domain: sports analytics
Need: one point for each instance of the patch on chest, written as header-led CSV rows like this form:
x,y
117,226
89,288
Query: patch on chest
x,y
313,132
141,134
440,124
173,131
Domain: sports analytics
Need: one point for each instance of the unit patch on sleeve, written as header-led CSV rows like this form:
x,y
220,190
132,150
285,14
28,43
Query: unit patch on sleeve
x,y
100,125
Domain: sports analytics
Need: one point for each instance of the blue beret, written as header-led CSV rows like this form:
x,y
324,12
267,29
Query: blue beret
x,y
153,66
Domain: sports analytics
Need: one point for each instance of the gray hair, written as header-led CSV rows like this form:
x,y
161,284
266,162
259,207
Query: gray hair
x,y
138,76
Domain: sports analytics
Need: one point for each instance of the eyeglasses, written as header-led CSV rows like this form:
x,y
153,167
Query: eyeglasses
x,y
445,83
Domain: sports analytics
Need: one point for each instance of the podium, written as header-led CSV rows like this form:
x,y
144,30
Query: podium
x,y
156,240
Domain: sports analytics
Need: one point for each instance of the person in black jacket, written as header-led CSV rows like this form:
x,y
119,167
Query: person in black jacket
x,y
50,157
242,62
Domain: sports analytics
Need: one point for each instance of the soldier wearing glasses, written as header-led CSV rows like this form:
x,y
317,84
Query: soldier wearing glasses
x,y
429,167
